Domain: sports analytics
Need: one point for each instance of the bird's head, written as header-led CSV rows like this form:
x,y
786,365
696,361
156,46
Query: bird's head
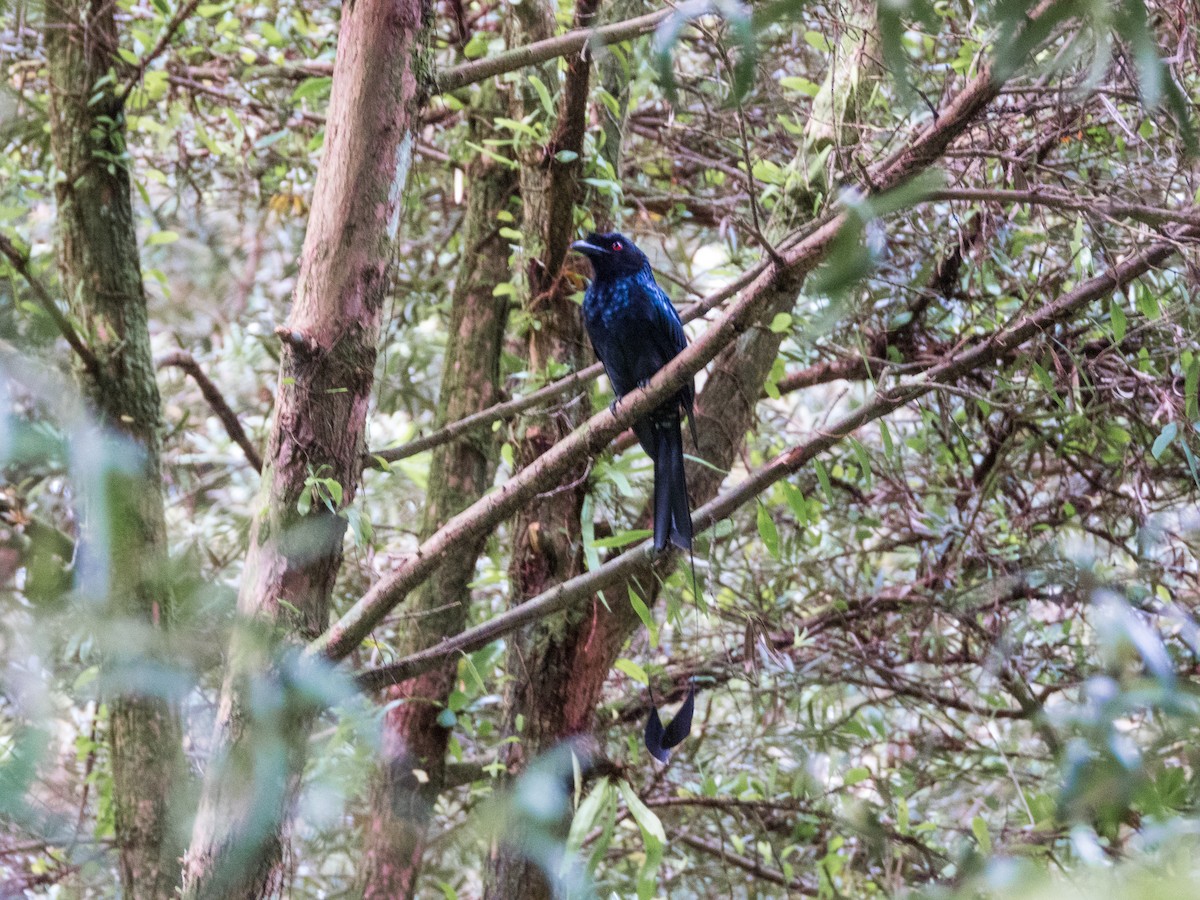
x,y
612,255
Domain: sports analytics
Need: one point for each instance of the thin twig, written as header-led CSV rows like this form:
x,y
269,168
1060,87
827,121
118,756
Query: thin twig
x,y
181,359
20,264
541,51
181,15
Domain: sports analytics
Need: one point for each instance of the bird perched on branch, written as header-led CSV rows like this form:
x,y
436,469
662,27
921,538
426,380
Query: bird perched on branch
x,y
635,331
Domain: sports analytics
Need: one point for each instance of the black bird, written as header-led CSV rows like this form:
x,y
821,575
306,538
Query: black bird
x,y
659,740
635,331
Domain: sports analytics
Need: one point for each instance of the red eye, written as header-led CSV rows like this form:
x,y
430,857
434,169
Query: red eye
x,y
617,247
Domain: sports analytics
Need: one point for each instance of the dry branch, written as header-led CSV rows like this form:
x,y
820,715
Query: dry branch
x,y
181,359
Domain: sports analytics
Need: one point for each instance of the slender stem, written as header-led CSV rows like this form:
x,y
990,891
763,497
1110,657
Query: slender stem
x,y
181,359
20,263
1056,200
540,51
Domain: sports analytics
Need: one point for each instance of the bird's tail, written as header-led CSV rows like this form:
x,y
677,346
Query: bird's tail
x,y
672,518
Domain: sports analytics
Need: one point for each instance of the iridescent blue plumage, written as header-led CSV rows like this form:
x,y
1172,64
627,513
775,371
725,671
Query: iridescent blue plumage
x,y
636,331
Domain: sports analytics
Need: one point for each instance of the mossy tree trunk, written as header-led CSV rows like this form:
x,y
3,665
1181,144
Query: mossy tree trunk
x,y
407,783
326,376
101,275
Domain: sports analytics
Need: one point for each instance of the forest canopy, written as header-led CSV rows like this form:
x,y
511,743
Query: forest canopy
x,y
326,549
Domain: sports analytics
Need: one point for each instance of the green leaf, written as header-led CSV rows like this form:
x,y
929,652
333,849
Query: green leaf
x,y
864,460
1164,439
587,814
643,613
767,531
823,478
478,45
566,156
335,491
1117,320
162,237
654,839
800,85
885,436
796,502
271,33
313,88
543,94
856,775
1147,303
781,323
980,830
633,670
623,538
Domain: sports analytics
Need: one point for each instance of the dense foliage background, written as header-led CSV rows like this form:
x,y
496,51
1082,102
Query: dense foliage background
x,y
952,653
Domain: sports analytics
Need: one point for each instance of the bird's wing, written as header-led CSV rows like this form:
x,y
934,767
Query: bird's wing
x,y
667,332
668,335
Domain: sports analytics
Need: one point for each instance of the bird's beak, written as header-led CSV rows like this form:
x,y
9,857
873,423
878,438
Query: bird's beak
x,y
588,249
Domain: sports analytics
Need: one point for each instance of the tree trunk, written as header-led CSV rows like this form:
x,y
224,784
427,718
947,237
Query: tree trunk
x,y
326,377
101,275
406,786
547,547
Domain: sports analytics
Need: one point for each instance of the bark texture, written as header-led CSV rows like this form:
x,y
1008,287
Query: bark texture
x,y
326,376
101,275
406,786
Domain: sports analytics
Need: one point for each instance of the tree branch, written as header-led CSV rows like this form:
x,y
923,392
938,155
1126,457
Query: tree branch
x,y
181,15
540,51
20,263
753,866
181,359
510,408
1152,215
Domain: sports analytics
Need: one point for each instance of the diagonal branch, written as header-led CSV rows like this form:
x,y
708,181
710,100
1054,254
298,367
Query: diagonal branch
x,y
749,865
181,359
1153,215
181,15
20,263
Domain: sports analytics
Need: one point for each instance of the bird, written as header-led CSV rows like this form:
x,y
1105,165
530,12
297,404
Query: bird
x,y
660,740
635,331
